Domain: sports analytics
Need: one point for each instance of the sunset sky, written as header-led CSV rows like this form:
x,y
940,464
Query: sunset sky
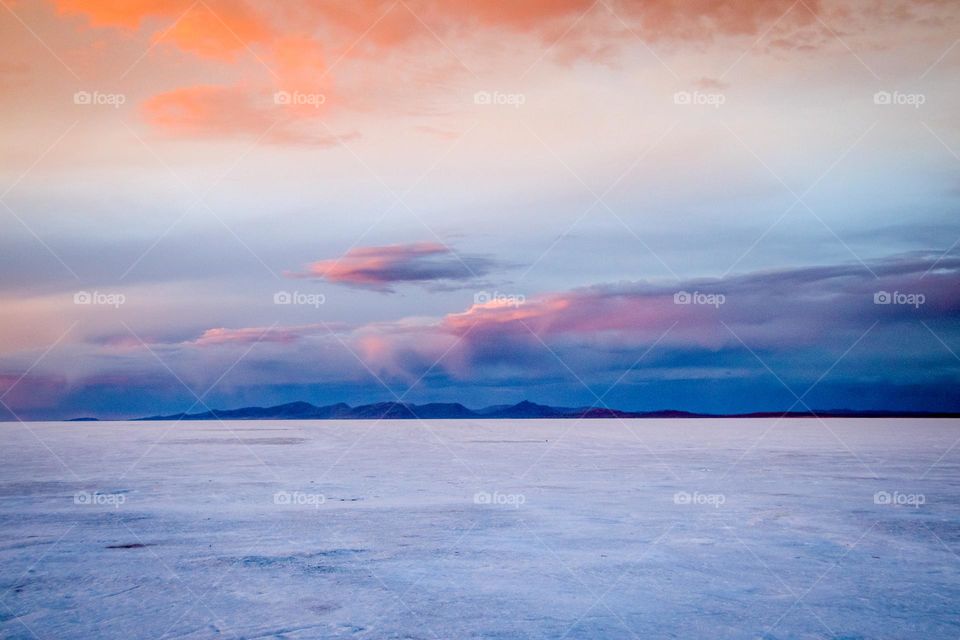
x,y
686,204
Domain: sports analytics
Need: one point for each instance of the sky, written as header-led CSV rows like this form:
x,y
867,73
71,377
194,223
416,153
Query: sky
x,y
695,205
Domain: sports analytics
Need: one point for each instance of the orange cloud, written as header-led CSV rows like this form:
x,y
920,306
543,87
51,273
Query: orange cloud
x,y
381,46
221,28
127,14
299,66
209,28
223,111
206,109
218,30
299,59
548,20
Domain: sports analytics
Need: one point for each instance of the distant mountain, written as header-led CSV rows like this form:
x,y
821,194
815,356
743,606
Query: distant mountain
x,y
525,410
406,411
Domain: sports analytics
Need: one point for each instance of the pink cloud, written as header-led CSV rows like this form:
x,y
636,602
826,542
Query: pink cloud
x,y
381,267
776,309
597,331
254,335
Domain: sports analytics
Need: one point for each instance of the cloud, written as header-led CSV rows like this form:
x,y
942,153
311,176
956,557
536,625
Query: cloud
x,y
29,391
550,21
217,29
249,335
228,111
128,14
384,54
703,20
801,322
779,308
292,45
790,315
271,334
380,268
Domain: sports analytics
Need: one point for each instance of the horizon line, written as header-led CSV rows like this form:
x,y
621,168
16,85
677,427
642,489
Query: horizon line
x,y
489,412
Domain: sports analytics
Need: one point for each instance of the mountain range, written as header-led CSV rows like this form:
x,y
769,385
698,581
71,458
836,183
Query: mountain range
x,y
519,411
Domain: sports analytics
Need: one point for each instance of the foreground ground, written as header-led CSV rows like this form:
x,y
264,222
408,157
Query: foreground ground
x,y
466,529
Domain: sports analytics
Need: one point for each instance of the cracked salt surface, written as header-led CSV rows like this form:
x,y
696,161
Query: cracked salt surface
x,y
481,529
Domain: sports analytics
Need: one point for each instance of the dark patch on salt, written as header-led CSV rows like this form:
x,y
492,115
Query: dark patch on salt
x,y
132,545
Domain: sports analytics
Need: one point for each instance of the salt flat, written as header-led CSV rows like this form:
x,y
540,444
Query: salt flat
x,y
467,529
